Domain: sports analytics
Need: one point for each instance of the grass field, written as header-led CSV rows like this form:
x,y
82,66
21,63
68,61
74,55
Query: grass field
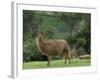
x,y
55,64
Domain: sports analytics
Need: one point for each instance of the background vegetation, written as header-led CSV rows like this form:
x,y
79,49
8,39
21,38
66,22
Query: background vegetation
x,y
73,27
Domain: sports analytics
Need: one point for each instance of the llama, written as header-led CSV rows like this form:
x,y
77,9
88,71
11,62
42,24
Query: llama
x,y
73,52
53,48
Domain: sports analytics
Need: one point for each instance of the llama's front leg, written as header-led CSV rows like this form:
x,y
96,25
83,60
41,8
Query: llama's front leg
x,y
49,59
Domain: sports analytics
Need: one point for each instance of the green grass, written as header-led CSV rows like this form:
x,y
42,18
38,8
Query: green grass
x,y
55,64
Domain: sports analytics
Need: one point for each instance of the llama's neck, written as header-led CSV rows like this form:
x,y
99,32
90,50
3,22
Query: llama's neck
x,y
40,40
40,43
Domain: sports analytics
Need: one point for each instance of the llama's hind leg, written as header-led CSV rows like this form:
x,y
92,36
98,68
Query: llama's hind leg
x,y
69,58
65,58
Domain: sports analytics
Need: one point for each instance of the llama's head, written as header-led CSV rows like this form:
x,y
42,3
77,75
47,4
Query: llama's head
x,y
40,35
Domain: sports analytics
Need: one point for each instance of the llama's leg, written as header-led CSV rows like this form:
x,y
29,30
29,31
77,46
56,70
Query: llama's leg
x,y
65,58
49,59
69,55
69,58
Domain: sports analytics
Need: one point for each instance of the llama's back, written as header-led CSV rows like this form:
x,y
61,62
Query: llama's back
x,y
54,47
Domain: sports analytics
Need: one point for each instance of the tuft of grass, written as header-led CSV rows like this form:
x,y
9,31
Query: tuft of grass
x,y
55,64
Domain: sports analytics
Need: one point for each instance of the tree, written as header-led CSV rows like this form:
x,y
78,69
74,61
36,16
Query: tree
x,y
71,20
85,32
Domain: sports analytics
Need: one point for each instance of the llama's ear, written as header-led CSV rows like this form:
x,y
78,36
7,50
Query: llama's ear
x,y
40,32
